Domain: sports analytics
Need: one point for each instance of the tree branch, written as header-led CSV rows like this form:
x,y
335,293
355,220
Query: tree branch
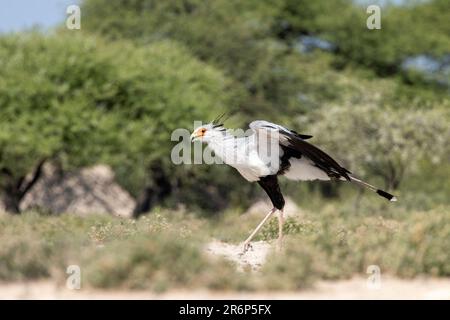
x,y
26,186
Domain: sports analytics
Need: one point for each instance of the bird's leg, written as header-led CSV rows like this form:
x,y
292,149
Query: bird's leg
x,y
280,228
247,242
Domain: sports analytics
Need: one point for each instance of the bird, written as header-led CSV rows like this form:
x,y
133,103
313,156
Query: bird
x,y
269,151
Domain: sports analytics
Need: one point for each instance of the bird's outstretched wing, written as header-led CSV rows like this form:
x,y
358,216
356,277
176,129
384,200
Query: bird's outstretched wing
x,y
291,140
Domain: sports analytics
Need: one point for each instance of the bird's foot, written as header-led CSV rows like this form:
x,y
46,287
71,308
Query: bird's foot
x,y
247,246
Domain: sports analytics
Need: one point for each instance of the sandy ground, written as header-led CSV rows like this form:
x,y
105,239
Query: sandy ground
x,y
356,288
254,258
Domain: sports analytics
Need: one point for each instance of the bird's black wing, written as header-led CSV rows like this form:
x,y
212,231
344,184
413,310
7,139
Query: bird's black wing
x,y
320,158
292,140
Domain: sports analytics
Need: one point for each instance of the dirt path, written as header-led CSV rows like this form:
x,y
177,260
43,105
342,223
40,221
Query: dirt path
x,y
391,288
253,258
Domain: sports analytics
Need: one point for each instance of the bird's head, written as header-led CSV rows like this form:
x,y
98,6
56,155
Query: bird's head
x,y
206,133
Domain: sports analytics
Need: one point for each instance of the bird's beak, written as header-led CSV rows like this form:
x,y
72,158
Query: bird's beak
x,y
193,136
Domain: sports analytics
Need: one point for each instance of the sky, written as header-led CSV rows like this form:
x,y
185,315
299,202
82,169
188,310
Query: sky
x,y
18,15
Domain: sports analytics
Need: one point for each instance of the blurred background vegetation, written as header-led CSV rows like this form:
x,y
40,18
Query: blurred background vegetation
x,y
113,92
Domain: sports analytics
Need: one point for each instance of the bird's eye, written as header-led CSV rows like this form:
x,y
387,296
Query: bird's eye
x,y
203,130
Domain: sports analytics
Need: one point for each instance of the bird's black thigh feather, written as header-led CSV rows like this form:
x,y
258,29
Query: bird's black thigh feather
x,y
270,185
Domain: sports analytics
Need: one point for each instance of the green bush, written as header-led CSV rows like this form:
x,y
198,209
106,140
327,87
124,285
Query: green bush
x,y
156,262
340,247
290,226
23,257
166,250
46,95
158,252
36,247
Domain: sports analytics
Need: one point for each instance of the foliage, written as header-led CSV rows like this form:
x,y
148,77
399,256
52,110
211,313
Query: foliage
x,y
297,17
47,88
235,36
343,245
344,24
226,33
114,91
382,142
154,253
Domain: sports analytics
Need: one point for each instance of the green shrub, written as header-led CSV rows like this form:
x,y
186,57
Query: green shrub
x,y
290,226
157,262
166,250
340,247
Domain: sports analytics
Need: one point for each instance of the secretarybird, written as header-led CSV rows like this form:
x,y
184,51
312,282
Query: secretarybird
x,y
269,151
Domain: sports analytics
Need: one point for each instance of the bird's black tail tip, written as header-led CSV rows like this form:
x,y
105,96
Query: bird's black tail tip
x,y
386,195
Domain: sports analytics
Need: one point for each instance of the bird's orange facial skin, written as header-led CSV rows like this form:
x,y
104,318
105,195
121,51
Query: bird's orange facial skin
x,y
200,132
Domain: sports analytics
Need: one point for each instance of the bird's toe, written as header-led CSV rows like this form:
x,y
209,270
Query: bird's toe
x,y
246,247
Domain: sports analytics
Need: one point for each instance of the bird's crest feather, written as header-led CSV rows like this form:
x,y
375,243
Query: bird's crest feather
x,y
217,122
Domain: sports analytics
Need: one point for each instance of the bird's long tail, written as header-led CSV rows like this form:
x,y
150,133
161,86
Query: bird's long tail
x,y
380,192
